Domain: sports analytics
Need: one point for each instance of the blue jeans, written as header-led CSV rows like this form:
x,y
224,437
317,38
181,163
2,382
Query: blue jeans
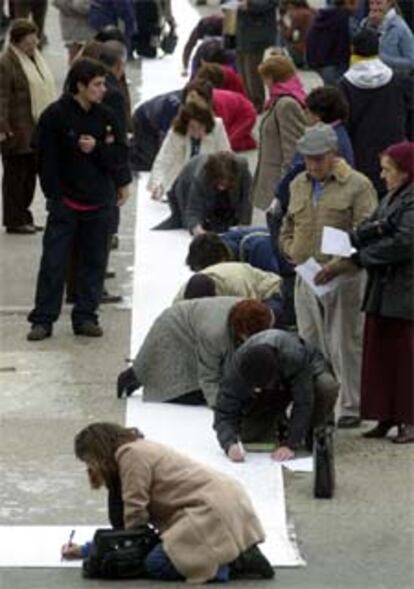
x,y
91,229
160,567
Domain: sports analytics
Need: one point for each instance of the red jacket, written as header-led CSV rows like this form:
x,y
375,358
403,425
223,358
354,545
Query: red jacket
x,y
238,115
232,81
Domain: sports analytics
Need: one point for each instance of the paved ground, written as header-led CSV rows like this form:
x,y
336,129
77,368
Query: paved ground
x,y
364,538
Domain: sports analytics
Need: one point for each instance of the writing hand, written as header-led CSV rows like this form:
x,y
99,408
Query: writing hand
x,y
236,452
283,453
71,551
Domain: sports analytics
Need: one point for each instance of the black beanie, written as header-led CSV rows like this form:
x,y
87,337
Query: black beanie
x,y
200,286
365,43
259,366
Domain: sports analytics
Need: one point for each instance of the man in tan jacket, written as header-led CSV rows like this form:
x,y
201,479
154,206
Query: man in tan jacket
x,y
329,193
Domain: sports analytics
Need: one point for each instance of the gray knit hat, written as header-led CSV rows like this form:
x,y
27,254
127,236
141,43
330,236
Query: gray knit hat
x,y
318,140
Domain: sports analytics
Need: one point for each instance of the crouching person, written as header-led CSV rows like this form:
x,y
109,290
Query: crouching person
x,y
212,193
207,524
269,372
184,353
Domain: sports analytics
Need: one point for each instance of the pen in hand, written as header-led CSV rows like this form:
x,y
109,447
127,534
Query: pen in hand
x,y
71,536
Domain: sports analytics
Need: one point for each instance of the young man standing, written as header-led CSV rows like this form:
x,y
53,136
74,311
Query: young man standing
x,y
83,168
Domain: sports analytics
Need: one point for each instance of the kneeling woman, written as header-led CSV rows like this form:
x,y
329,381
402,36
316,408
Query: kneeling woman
x,y
208,527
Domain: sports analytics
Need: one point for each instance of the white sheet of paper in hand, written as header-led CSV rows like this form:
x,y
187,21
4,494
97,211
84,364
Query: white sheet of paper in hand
x,y
336,242
308,270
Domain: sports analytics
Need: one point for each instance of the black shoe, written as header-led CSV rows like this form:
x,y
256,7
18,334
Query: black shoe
x,y
251,563
22,230
106,297
349,422
379,431
170,223
127,383
39,332
88,329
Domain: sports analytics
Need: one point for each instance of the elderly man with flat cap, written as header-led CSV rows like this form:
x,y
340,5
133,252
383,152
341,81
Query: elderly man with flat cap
x,y
329,194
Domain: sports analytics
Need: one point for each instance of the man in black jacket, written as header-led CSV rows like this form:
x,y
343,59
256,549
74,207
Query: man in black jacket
x,y
284,370
83,163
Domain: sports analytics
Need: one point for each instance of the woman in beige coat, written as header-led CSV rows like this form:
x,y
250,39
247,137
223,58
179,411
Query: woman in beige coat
x,y
207,524
282,126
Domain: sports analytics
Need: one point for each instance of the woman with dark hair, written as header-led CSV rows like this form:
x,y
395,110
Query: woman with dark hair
x,y
183,354
212,193
194,131
296,19
385,245
208,527
282,126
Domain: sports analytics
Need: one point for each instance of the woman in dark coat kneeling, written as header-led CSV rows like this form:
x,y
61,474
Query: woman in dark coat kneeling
x,y
385,245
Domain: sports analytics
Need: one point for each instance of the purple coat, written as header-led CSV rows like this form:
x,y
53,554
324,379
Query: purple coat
x,y
108,12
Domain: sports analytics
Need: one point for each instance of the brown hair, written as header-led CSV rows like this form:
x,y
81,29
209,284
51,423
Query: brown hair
x,y
20,28
213,73
221,166
249,317
203,88
278,68
193,111
92,50
99,442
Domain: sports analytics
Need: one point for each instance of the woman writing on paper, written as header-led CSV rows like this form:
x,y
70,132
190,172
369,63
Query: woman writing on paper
x,y
207,524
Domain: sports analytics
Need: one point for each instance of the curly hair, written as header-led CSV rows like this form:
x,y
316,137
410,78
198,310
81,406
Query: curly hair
x,y
328,103
99,442
193,111
249,317
206,250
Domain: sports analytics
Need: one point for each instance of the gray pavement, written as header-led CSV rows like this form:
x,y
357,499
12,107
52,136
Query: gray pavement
x,y
363,538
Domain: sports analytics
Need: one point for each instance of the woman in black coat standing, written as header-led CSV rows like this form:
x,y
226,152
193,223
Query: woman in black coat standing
x,y
385,247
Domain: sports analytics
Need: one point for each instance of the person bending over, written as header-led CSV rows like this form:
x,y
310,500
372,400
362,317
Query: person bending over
x,y
212,193
283,370
184,354
207,524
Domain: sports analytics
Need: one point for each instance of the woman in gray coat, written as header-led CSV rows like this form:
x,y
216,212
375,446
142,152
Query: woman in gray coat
x,y
385,247
188,346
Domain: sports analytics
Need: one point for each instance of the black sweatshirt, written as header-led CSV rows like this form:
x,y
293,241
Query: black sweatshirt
x,y
64,170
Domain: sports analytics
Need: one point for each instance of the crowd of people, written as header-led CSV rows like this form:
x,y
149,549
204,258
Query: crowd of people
x,y
273,354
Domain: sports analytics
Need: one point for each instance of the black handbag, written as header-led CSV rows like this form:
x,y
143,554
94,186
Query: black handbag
x,y
120,554
168,41
323,463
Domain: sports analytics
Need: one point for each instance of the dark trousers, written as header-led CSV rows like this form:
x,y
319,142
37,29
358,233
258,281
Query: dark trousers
x,y
247,64
18,186
91,229
75,255
35,8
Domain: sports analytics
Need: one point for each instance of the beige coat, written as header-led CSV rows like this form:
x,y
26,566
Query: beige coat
x,y
238,279
347,198
281,128
205,517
